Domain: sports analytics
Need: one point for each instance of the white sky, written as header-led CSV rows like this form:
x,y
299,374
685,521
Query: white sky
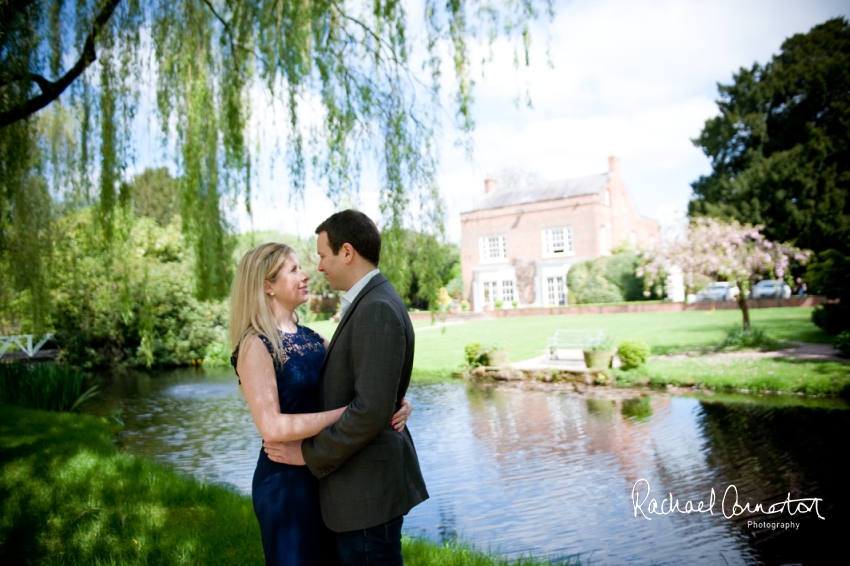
x,y
633,78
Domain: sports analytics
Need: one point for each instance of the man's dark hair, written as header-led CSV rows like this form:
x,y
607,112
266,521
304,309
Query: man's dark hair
x,y
355,228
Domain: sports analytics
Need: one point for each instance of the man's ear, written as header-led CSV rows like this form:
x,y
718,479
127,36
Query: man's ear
x,y
347,251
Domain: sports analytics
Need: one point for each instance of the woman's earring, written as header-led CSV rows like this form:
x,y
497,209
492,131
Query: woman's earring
x,y
271,294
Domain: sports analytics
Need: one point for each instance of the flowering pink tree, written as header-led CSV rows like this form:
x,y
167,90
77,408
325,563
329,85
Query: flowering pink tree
x,y
720,251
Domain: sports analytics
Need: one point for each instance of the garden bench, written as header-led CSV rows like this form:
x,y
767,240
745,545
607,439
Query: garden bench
x,y
574,340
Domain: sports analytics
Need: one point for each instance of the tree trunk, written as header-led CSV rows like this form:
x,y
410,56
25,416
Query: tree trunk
x,y
742,302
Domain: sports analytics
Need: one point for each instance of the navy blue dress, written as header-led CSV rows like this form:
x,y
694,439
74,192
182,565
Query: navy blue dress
x,y
286,498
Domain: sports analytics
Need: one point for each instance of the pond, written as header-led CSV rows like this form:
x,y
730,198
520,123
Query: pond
x,y
554,474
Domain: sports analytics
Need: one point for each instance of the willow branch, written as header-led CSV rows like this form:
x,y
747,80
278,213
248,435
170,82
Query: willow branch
x,y
50,91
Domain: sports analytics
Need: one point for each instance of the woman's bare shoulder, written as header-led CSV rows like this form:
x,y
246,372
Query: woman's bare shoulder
x,y
252,349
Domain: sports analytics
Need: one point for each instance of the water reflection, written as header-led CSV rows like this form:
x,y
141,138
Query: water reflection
x,y
544,472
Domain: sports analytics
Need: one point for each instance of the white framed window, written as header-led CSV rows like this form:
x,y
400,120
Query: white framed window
x,y
557,293
496,290
557,241
490,290
507,291
493,248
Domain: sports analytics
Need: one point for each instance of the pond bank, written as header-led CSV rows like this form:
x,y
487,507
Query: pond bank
x,y
69,496
805,369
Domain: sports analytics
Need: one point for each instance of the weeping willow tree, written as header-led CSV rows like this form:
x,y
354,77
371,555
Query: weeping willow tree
x,y
71,74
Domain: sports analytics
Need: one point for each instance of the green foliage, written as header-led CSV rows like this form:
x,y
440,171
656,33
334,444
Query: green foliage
x,y
638,408
603,344
418,264
25,231
606,279
472,352
81,67
833,318
454,283
842,343
621,271
134,305
478,354
464,306
498,303
217,353
45,386
780,148
633,353
739,337
154,194
829,274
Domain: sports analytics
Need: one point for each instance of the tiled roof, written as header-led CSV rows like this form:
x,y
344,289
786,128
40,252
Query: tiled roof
x,y
550,190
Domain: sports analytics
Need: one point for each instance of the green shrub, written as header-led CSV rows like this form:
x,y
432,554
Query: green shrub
x,y
478,354
472,353
842,343
44,386
633,353
464,305
498,303
738,337
136,308
606,279
833,318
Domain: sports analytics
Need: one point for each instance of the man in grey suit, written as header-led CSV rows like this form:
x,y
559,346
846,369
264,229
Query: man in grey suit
x,y
369,475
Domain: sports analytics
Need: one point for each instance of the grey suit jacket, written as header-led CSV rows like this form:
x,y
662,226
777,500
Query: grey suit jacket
x,y
368,473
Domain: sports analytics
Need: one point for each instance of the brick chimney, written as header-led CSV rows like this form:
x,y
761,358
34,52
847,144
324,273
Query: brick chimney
x,y
490,185
613,165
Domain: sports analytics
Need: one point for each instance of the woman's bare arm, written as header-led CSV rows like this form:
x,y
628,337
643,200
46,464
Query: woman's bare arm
x,y
256,371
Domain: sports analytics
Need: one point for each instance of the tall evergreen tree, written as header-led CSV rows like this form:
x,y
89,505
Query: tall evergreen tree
x,y
780,148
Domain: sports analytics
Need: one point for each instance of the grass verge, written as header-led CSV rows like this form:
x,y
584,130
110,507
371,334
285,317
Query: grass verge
x,y
785,375
421,552
68,496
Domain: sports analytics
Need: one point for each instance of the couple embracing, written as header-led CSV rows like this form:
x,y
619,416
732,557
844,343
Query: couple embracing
x,y
338,471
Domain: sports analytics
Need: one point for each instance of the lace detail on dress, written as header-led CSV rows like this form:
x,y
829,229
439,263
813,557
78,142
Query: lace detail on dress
x,y
298,343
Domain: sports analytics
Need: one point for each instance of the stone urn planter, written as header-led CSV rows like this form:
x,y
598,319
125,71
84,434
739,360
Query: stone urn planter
x,y
599,359
497,358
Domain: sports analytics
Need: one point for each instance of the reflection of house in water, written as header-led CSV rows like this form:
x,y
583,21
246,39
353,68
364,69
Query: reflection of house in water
x,y
514,419
517,243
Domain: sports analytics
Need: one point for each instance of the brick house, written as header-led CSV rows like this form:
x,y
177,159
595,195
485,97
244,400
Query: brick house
x,y
517,244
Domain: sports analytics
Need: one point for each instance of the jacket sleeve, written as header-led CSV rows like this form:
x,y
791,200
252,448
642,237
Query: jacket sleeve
x,y
377,359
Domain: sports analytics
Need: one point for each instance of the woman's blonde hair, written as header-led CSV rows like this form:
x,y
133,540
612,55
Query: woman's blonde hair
x,y
250,307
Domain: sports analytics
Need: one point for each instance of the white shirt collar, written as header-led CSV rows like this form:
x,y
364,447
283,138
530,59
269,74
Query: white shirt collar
x,y
352,293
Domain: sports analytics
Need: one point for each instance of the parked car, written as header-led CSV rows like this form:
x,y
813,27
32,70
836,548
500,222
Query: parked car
x,y
770,288
718,291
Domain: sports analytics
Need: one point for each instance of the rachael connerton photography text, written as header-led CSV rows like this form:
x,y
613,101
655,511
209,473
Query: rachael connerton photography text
x,y
729,505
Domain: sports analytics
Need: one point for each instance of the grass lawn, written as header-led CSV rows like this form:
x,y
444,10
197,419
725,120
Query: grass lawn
x,y
440,351
812,377
68,496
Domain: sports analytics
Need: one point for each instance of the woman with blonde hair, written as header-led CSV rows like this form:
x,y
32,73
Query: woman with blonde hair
x,y
277,362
